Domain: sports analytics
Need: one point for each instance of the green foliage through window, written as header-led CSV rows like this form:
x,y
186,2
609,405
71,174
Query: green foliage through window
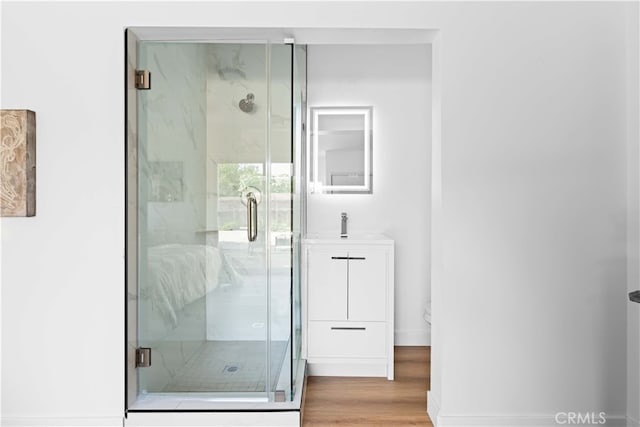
x,y
234,177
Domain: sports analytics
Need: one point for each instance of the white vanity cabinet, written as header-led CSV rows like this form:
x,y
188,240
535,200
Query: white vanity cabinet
x,y
348,305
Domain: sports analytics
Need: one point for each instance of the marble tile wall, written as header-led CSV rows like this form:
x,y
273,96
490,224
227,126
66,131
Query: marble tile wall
x,y
236,136
171,189
189,123
172,139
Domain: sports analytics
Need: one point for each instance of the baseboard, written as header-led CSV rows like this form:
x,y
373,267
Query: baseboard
x,y
443,420
433,408
61,422
521,421
412,337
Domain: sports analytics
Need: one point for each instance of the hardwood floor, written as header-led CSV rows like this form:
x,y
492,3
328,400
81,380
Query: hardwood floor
x,y
347,401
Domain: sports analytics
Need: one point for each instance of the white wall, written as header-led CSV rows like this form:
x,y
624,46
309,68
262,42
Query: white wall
x,y
534,212
63,271
395,80
530,316
544,192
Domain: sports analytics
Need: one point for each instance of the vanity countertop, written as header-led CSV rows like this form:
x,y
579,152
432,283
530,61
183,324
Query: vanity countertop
x,y
359,238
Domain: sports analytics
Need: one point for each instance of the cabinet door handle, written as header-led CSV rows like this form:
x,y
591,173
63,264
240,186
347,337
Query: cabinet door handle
x,y
356,257
340,257
347,328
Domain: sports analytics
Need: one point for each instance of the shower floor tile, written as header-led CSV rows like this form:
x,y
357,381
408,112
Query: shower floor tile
x,y
228,366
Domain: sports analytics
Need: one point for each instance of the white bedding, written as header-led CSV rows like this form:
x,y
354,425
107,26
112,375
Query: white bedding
x,y
178,275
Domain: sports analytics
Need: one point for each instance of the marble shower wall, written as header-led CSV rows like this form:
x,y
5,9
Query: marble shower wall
x,y
189,123
172,140
171,149
235,136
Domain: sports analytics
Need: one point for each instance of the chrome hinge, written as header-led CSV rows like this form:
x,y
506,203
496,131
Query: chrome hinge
x,y
143,79
143,357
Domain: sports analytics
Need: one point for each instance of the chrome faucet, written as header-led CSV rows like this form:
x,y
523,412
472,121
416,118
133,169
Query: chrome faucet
x,y
343,227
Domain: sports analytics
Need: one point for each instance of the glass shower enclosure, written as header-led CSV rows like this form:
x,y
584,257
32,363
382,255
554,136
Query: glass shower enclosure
x,y
214,217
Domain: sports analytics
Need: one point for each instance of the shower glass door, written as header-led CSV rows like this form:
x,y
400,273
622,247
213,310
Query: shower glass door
x,y
215,215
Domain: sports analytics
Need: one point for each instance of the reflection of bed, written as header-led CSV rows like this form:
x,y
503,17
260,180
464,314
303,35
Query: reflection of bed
x,y
178,275
174,281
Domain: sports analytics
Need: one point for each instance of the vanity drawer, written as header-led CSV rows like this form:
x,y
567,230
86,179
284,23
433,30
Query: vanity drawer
x,y
347,339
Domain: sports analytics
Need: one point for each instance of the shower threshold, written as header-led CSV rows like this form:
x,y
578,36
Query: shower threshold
x,y
217,409
163,401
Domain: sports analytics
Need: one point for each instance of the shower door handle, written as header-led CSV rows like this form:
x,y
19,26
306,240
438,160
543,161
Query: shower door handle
x,y
252,217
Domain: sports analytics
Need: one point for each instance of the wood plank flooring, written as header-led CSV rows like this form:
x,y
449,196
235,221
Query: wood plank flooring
x,y
347,401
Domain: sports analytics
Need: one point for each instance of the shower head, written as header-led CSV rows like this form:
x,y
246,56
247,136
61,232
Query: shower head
x,y
246,104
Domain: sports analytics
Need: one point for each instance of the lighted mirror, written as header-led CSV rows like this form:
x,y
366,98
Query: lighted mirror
x,y
340,139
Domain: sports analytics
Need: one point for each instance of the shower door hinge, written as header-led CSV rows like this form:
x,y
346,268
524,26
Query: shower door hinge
x,y
143,79
143,357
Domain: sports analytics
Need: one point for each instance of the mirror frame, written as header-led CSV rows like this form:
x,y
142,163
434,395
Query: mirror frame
x,y
313,184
